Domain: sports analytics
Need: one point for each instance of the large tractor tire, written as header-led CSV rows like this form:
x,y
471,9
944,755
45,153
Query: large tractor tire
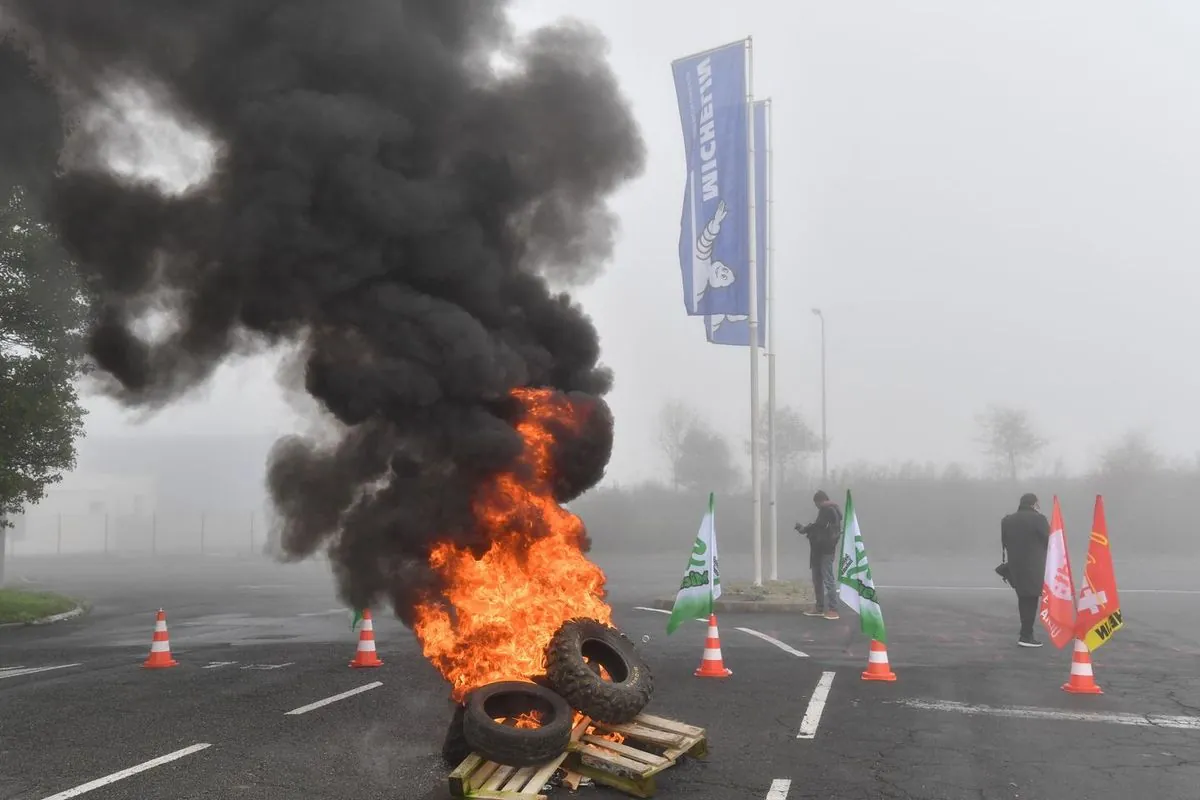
x,y
573,661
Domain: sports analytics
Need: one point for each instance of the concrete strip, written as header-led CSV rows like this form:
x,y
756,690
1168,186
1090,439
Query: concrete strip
x,y
1020,712
1120,590
745,606
126,773
334,699
66,615
816,707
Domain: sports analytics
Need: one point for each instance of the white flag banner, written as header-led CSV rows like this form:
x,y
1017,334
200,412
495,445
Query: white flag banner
x,y
701,583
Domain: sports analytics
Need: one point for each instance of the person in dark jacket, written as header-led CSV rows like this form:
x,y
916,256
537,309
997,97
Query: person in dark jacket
x,y
1025,536
823,535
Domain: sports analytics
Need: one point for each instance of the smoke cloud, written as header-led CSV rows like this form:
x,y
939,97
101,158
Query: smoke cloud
x,y
380,196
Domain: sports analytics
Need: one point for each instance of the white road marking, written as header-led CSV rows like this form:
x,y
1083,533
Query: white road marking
x,y
334,699
32,670
268,666
779,789
787,648
217,664
1007,589
266,586
126,773
664,611
1021,712
328,613
816,707
651,610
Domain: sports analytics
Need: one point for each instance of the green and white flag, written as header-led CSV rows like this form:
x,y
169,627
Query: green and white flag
x,y
856,587
701,583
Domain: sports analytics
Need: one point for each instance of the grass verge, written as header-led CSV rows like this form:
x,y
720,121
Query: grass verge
x,y
20,606
782,591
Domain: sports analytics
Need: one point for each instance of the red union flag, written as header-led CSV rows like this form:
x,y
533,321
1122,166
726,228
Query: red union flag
x,y
1099,606
1057,608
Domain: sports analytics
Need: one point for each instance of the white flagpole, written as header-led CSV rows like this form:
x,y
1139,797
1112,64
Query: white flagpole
x,y
772,344
755,478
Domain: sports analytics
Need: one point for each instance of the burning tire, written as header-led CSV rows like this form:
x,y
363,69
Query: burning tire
x,y
455,748
517,746
573,661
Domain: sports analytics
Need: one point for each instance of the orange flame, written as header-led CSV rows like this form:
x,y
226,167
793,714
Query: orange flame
x,y
499,611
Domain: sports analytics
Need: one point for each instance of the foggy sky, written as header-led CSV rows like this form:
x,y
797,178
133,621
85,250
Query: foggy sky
x,y
993,203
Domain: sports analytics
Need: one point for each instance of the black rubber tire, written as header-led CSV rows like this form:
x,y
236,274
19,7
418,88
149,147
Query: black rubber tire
x,y
517,747
455,748
573,658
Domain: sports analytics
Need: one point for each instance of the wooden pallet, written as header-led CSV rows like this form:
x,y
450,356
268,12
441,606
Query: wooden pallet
x,y
479,779
652,744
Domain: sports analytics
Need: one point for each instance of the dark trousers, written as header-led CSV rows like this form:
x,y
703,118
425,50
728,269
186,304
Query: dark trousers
x,y
1028,606
824,581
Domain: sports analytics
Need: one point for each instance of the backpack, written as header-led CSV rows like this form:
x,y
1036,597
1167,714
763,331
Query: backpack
x,y
829,537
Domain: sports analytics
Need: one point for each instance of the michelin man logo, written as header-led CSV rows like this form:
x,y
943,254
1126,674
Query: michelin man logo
x,y
706,273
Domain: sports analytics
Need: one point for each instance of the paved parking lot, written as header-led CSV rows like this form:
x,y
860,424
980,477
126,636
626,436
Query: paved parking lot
x,y
264,705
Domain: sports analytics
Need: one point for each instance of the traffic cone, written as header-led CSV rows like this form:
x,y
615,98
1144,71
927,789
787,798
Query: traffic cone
x,y
160,645
711,663
1081,681
878,668
365,655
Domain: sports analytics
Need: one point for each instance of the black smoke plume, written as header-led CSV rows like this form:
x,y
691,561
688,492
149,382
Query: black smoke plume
x,y
383,196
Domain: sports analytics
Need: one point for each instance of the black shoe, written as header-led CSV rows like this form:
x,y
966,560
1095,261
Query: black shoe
x,y
1030,642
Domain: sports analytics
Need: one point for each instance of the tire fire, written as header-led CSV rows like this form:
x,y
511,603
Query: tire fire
x,y
498,611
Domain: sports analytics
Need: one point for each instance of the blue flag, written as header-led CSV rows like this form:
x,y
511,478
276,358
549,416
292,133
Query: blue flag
x,y
714,248
734,329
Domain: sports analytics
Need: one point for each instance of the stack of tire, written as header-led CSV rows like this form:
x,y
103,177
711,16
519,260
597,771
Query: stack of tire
x,y
573,681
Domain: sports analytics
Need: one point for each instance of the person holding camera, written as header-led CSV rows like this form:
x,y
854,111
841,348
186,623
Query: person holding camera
x,y
823,534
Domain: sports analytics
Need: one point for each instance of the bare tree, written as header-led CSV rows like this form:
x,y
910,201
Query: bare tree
x,y
795,442
706,463
674,421
1009,438
1130,456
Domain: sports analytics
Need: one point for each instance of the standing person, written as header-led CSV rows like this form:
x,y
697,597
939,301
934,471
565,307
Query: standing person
x,y
1025,535
823,535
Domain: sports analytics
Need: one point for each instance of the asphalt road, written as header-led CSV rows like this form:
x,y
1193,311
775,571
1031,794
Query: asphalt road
x,y
256,640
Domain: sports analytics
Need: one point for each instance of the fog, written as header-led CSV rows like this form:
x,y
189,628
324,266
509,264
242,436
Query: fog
x,y
991,203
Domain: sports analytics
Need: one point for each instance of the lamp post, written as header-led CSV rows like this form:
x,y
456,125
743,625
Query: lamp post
x,y
824,431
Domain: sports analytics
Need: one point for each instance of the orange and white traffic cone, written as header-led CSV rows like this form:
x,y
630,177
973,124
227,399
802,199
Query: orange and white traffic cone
x,y
878,668
711,663
160,645
1082,680
365,655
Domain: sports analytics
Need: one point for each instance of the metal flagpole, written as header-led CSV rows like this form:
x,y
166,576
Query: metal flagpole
x,y
755,477
772,344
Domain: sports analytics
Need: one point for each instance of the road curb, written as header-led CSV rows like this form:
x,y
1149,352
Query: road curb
x,y
753,606
77,611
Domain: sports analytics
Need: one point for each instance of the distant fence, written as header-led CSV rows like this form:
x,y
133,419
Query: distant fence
x,y
199,532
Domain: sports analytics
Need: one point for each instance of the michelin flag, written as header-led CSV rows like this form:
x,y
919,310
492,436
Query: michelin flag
x,y
734,329
714,248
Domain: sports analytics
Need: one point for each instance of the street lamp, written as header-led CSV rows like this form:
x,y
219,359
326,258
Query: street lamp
x,y
824,433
